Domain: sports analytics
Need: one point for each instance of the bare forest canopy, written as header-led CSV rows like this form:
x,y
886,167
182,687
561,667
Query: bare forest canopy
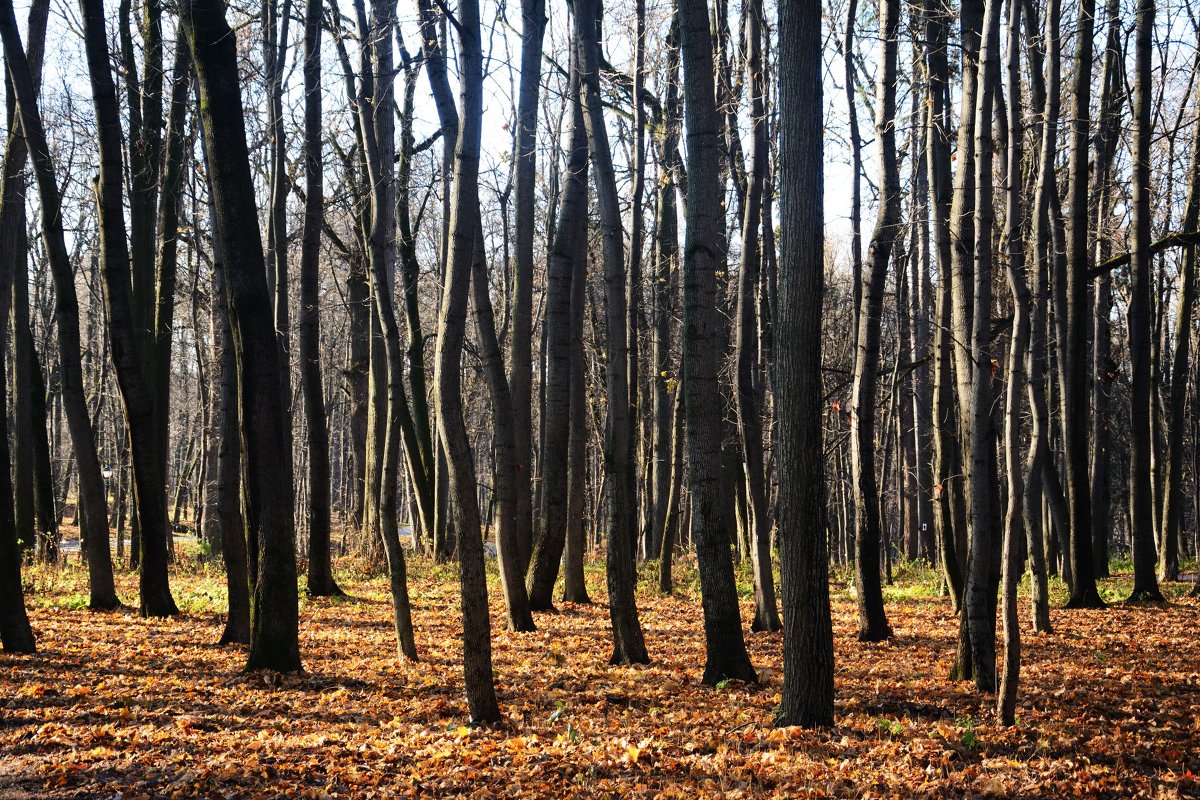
x,y
490,308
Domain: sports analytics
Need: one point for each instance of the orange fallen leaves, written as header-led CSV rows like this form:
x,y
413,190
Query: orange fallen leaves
x,y
115,705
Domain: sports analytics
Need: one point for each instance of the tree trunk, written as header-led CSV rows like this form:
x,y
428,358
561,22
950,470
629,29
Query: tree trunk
x,y
804,561
1074,312
477,645
749,377
320,569
628,645
1018,358
91,499
1145,580
570,243
574,585
872,619
533,27
726,655
1168,551
274,637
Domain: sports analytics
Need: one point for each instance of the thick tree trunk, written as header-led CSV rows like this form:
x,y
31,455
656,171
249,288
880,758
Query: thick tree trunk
x,y
1073,324
807,627
274,637
726,655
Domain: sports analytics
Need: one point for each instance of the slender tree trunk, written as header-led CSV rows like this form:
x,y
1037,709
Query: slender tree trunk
x,y
1172,522
1145,580
574,586
629,647
464,227
91,499
533,27
946,462
320,569
666,251
1074,312
551,531
1018,358
749,378
229,457
872,619
376,110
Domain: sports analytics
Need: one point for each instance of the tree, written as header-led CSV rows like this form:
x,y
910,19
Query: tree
x,y
320,570
628,645
1073,348
477,645
1018,358
93,512
570,240
872,619
804,560
274,612
128,346
1145,580
533,28
703,254
749,377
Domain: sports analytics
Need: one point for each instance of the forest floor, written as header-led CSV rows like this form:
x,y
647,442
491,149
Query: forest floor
x,y
118,706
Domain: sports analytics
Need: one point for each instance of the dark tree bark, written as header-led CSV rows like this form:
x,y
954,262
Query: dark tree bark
x,y
229,458
553,519
452,322
749,376
30,531
574,585
1145,579
533,27
274,636
128,345
92,505
726,655
1018,358
946,490
983,557
872,619
1074,324
320,569
666,253
629,647
1173,502
376,118
804,560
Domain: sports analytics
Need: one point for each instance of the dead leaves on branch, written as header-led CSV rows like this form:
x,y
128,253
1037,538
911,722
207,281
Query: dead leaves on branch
x,y
114,705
